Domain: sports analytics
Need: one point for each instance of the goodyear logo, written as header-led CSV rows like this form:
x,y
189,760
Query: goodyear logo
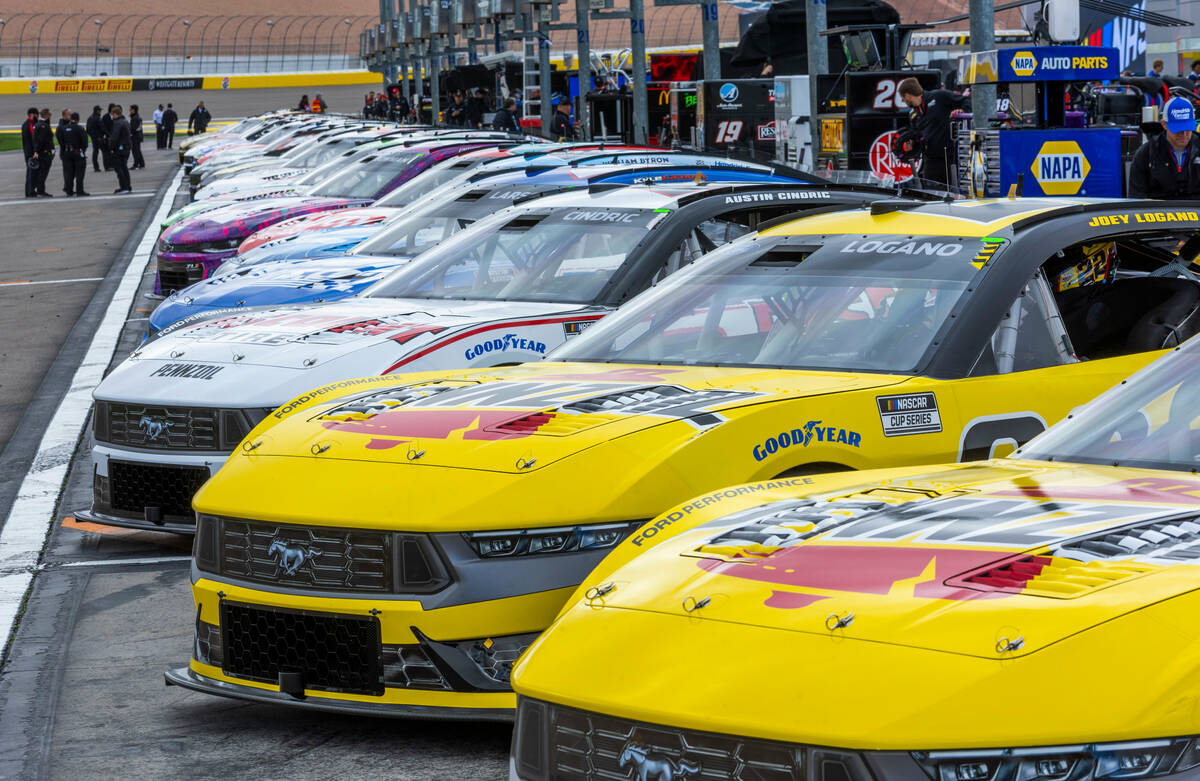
x,y
1024,63
1060,167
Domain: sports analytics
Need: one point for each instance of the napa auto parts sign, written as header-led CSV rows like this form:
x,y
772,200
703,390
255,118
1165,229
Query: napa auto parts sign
x,y
1058,63
1063,162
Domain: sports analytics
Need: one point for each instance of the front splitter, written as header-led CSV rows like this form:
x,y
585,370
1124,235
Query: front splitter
x,y
188,679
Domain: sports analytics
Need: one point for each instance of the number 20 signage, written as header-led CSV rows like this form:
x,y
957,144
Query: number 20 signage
x,y
874,108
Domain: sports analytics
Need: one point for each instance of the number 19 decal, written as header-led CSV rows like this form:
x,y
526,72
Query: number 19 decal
x,y
728,131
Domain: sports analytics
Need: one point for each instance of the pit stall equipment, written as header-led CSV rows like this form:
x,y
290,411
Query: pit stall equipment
x,y
1055,151
736,115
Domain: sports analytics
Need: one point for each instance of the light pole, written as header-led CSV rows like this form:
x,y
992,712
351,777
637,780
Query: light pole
x,y
187,30
267,59
96,48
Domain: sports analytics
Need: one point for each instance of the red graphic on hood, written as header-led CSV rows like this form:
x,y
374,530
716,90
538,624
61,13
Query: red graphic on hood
x,y
859,570
396,427
1143,489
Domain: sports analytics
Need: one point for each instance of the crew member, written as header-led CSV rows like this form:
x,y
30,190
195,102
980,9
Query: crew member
x,y
46,158
95,131
318,104
119,143
169,119
35,138
931,118
476,106
73,143
1168,165
1194,76
160,139
506,118
106,125
560,124
303,103
1156,69
199,118
456,115
135,135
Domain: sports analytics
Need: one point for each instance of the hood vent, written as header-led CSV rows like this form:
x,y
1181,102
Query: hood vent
x,y
771,527
1176,539
369,406
651,399
1051,576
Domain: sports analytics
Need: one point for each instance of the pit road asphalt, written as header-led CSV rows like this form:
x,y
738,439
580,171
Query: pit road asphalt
x,y
81,686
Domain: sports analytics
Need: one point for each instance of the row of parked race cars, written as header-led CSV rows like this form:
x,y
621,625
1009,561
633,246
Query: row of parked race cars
x,y
451,413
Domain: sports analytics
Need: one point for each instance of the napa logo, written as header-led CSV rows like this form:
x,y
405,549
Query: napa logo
x,y
1060,167
1024,63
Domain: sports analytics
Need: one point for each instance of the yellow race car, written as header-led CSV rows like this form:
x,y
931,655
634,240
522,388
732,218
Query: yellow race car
x,y
391,544
1025,618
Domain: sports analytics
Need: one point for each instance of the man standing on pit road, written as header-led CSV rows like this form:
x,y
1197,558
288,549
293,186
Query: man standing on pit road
x,y
72,144
931,118
1168,165
135,135
95,131
106,124
119,143
561,128
168,120
46,156
160,140
199,119
35,139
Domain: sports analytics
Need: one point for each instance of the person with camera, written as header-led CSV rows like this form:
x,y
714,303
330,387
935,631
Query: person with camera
x,y
931,110
1168,165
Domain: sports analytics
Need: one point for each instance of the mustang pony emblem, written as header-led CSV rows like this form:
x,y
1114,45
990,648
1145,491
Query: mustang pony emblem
x,y
653,766
152,428
291,555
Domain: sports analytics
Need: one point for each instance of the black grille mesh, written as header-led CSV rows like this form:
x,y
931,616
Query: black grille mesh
x,y
134,487
331,653
162,428
1177,539
409,667
305,556
588,746
173,276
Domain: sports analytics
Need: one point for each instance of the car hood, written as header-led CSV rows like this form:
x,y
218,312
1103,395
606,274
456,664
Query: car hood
x,y
302,280
262,357
917,668
241,218
315,244
250,184
997,561
317,222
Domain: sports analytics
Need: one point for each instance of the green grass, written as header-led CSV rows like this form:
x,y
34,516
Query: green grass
x,y
10,141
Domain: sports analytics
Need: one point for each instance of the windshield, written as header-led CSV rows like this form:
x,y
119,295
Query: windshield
x,y
841,303
430,224
317,153
565,255
1152,421
366,178
412,191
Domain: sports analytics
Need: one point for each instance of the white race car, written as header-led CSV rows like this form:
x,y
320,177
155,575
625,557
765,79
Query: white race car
x,y
510,288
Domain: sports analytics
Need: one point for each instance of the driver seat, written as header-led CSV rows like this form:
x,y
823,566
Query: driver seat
x,y
1171,322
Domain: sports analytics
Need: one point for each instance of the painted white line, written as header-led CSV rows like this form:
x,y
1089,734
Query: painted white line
x,y
77,201
32,515
48,282
118,562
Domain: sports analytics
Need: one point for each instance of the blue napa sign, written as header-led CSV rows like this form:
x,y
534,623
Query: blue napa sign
x,y
1084,163
1058,63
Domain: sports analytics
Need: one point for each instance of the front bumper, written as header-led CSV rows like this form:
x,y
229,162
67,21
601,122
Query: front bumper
x,y
128,484
312,660
177,270
190,679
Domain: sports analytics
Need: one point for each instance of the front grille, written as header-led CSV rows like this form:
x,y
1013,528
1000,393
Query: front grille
x,y
134,487
159,428
554,743
409,667
321,558
173,276
307,557
331,653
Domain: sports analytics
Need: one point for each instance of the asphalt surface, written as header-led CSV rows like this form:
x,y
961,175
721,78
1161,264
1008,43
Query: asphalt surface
x,y
81,687
221,103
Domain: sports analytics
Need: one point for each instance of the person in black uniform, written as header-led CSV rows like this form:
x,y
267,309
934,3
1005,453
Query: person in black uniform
x,y
169,120
46,156
135,137
456,115
199,119
476,107
106,124
1168,165
119,143
561,128
72,144
506,117
931,118
95,131
35,140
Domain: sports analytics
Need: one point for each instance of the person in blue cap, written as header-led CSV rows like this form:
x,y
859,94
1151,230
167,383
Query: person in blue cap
x,y
1168,166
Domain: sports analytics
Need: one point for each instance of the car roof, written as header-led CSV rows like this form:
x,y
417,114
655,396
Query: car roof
x,y
651,196
980,217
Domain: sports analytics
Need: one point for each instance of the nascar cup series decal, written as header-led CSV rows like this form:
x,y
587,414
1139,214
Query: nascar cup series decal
x,y
909,413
